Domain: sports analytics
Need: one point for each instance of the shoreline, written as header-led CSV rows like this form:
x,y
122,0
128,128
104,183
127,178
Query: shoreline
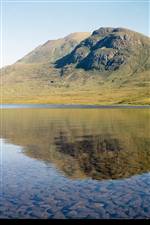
x,y
72,106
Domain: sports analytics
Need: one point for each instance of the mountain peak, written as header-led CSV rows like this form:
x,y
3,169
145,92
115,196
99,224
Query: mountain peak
x,y
106,49
106,30
77,36
102,31
54,49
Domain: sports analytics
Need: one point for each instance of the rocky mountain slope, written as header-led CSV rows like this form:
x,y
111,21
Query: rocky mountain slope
x,y
107,49
110,66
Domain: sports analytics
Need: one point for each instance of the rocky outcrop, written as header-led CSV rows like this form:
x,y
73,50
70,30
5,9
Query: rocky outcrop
x,y
105,49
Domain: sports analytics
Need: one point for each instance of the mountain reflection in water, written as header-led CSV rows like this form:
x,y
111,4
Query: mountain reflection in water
x,y
82,143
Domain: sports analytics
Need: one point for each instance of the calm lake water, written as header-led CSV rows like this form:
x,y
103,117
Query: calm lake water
x,y
75,163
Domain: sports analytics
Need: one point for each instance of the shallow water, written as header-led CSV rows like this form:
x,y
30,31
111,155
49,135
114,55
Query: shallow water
x,y
75,163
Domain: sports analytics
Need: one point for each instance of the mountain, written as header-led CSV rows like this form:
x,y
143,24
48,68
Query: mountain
x,y
108,49
54,49
110,66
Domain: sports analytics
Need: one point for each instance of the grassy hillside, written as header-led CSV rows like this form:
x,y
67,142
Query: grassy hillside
x,y
109,67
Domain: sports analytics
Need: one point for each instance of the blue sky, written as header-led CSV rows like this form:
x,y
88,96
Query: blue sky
x,y
27,25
